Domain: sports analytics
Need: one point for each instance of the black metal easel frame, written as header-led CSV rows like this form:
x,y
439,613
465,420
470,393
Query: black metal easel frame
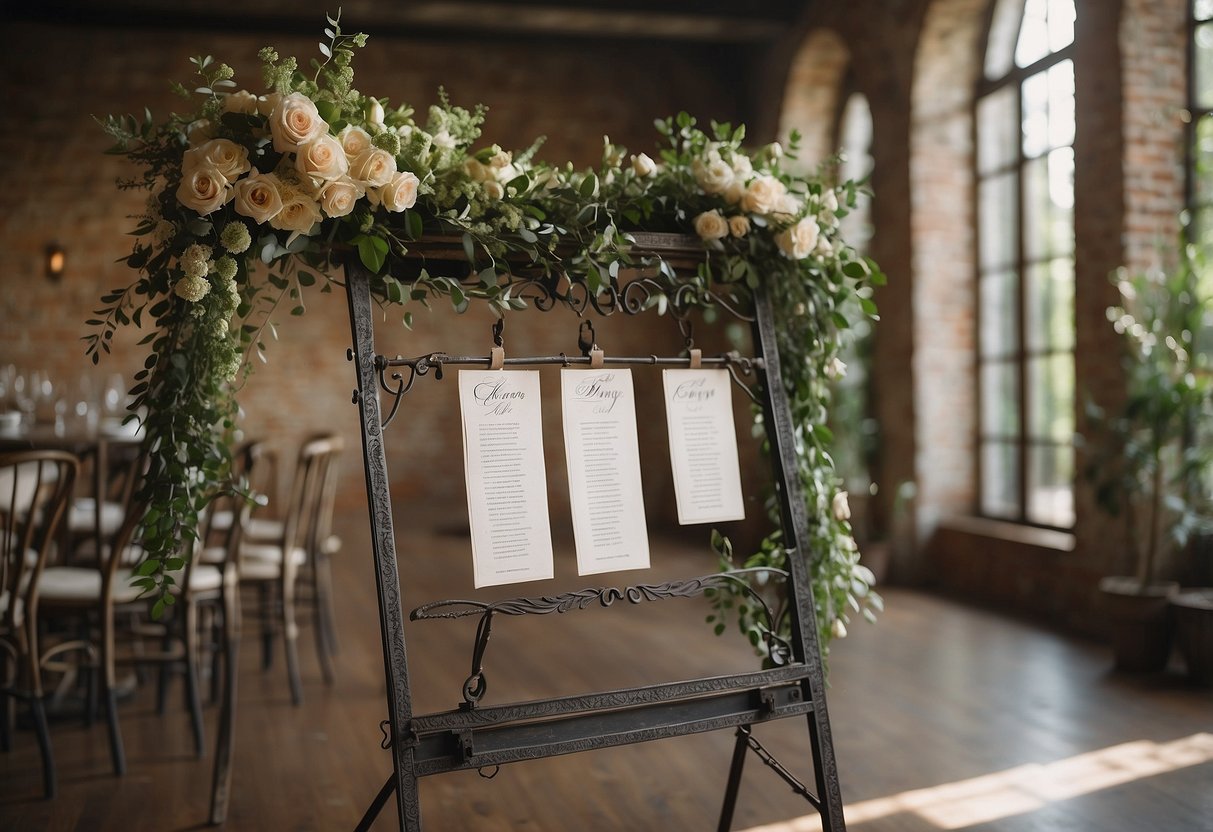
x,y
475,737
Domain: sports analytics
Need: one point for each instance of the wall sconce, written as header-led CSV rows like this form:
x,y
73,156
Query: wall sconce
x,y
55,261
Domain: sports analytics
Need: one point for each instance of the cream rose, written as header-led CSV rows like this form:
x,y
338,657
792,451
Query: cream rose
x,y
299,212
339,197
257,197
374,113
322,158
739,225
786,206
200,132
711,226
840,507
742,166
762,195
799,240
266,104
227,157
714,176
493,189
240,102
354,141
399,194
734,192
204,189
476,171
374,167
643,165
295,121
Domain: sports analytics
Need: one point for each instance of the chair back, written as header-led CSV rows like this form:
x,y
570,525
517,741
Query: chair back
x,y
313,485
35,489
228,513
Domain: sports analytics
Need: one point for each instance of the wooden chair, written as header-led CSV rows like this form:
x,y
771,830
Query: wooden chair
x,y
273,555
35,490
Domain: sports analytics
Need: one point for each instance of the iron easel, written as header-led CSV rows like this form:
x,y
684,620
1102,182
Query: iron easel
x,y
473,736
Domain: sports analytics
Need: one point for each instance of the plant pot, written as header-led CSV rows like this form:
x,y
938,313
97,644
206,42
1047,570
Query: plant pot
x,y
1138,622
1193,612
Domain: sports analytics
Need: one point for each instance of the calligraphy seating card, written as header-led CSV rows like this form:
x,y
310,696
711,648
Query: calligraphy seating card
x,y
603,456
703,446
506,478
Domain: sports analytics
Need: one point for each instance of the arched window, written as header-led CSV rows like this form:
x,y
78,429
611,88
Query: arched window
x,y
1200,105
1025,230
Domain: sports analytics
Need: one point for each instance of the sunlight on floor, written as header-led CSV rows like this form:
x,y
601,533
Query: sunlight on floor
x,y
1024,788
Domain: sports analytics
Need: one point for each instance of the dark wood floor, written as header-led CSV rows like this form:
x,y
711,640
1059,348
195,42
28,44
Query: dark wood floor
x,y
944,717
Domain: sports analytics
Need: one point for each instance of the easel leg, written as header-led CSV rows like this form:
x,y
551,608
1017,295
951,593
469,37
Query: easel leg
x,y
730,792
376,806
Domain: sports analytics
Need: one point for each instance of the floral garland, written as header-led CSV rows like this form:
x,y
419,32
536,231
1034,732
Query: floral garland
x,y
253,196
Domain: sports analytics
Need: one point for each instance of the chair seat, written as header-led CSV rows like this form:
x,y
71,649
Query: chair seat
x,y
81,517
258,529
78,585
204,577
261,562
86,552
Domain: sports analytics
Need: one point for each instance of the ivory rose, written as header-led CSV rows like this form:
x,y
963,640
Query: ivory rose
x,y
204,189
399,194
643,165
711,226
200,132
374,113
739,225
339,197
227,157
840,506
714,176
354,140
257,197
494,190
299,212
374,167
762,195
322,158
799,240
476,170
240,102
295,121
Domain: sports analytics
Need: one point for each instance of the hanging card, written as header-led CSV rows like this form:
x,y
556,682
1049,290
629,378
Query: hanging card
x,y
603,456
703,446
505,474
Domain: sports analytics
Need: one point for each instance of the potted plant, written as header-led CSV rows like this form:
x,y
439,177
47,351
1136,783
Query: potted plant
x,y
1153,460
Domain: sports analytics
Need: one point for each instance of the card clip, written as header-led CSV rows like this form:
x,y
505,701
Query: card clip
x,y
596,358
496,358
696,360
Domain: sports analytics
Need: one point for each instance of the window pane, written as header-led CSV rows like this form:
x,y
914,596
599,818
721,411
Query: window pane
x,y
1051,485
1036,114
998,221
1004,29
1049,205
1202,9
1061,104
1061,24
999,480
1050,306
1033,43
999,400
1051,397
997,130
1202,94
998,291
1202,160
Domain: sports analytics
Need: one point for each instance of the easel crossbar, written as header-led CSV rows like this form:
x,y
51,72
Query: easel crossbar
x,y
443,359
440,751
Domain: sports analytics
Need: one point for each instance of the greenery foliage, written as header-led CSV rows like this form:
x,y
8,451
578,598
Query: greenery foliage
x,y
255,198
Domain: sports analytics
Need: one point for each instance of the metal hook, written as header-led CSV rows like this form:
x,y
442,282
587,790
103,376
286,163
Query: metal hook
x,y
687,328
498,329
586,339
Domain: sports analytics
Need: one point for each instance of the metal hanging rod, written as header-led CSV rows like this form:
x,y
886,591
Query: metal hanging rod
x,y
439,359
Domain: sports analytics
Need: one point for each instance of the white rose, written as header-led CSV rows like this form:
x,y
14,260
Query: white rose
x,y
240,102
762,195
714,177
837,369
374,113
786,206
374,167
200,132
476,171
505,174
824,247
227,157
266,103
322,158
644,166
742,165
354,141
258,197
840,506
711,226
829,201
493,189
734,192
399,194
799,240
739,225
299,212
338,197
295,121
500,159
204,189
